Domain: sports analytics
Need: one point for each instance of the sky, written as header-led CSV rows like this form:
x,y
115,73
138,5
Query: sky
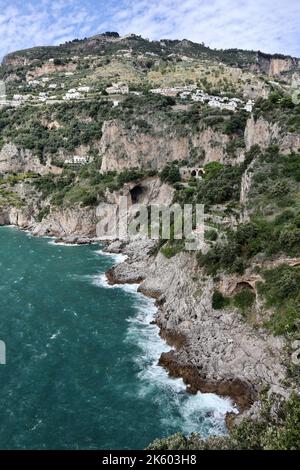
x,y
266,25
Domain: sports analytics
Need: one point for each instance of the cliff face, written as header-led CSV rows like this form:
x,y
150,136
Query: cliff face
x,y
273,65
49,68
260,133
79,222
123,148
263,133
16,160
67,222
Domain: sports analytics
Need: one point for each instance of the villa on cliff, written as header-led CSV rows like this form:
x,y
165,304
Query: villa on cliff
x,y
77,160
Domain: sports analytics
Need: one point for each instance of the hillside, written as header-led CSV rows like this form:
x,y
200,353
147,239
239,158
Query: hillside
x,y
173,121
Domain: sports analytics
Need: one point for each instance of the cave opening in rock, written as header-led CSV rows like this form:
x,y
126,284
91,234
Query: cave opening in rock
x,y
243,285
136,194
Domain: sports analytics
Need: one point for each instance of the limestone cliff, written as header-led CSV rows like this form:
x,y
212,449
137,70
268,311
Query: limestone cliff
x,y
123,148
17,160
273,65
263,133
76,222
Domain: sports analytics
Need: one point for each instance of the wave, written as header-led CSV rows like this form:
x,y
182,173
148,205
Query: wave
x,y
117,257
54,243
203,412
100,280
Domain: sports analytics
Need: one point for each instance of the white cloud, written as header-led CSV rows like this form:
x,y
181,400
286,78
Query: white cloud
x,y
268,25
28,25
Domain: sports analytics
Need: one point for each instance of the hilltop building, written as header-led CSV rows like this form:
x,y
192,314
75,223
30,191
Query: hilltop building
x,y
120,88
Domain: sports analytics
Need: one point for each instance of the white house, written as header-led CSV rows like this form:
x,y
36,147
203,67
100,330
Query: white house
x,y
173,91
33,83
72,95
119,88
84,89
18,97
77,160
249,106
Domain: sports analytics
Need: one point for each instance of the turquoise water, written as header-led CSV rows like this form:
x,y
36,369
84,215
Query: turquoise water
x,y
81,368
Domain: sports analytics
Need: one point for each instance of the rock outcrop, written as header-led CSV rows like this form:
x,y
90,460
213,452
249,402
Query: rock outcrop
x,y
263,133
274,65
61,223
67,222
18,160
123,148
216,351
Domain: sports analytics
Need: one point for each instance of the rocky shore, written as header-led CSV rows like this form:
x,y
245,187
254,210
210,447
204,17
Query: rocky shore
x,y
213,351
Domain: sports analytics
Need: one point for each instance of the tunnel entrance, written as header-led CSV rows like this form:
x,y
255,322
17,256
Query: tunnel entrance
x,y
136,194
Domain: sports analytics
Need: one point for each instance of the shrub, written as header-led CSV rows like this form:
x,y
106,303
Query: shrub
x,y
281,291
43,213
170,174
211,235
222,185
89,200
172,249
289,239
244,299
212,169
219,301
281,188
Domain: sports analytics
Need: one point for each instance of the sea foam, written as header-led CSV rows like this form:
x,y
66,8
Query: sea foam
x,y
203,412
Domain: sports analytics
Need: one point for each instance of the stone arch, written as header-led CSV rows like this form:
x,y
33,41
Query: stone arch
x,y
242,285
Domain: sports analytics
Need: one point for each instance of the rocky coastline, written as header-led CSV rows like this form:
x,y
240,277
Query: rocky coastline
x,y
243,394
212,351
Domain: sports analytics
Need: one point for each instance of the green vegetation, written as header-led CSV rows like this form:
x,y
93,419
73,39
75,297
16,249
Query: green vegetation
x,y
281,291
277,429
244,300
170,174
279,107
43,213
219,301
9,198
172,248
80,123
275,210
221,184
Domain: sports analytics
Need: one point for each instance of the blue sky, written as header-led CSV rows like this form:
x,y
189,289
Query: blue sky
x,y
268,25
